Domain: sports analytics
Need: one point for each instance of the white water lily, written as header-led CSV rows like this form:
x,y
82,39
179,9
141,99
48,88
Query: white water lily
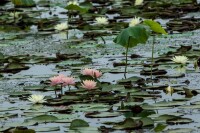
x,y
61,27
138,2
134,21
169,89
73,3
101,20
14,14
180,59
36,99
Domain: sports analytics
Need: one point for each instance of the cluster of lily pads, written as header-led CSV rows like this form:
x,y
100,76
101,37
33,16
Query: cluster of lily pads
x,y
123,96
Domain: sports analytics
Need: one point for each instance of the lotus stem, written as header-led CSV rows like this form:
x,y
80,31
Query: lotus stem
x,y
152,58
104,42
55,93
69,87
61,89
67,35
126,57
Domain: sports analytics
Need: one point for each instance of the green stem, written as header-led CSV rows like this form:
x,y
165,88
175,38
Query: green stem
x,y
104,42
69,87
67,35
61,89
126,57
14,16
55,93
152,58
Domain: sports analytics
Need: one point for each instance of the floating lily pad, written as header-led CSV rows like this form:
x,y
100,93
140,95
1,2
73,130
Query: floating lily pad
x,y
128,124
102,114
77,123
179,121
42,119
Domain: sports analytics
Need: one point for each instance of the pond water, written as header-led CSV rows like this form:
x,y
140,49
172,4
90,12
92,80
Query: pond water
x,y
31,52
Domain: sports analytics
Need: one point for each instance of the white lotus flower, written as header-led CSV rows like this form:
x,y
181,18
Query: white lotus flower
x,y
36,99
73,3
14,14
170,90
101,20
180,59
138,2
61,27
134,21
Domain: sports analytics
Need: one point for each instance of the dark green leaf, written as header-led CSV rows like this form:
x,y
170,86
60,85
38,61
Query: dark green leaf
x,y
132,36
78,123
23,3
160,127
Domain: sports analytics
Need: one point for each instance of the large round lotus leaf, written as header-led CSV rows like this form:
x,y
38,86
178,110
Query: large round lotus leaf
x,y
128,123
102,114
156,27
78,123
132,36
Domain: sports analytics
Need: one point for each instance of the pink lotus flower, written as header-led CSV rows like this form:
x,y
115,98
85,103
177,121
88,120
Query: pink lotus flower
x,y
92,72
68,81
57,79
89,84
62,80
97,73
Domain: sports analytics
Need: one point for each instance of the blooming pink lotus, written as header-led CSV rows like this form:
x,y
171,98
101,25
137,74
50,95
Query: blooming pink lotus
x,y
92,72
57,80
68,81
62,81
97,73
89,84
